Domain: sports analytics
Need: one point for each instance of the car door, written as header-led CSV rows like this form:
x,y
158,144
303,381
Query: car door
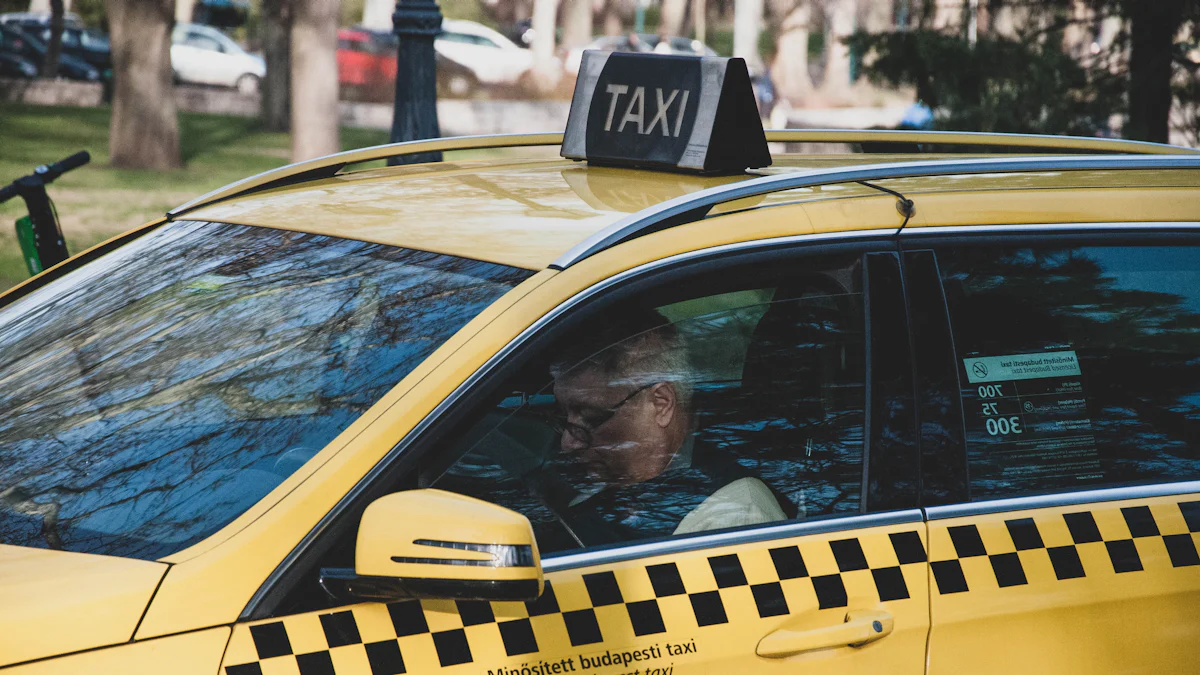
x,y
1065,510
780,534
192,57
231,61
464,48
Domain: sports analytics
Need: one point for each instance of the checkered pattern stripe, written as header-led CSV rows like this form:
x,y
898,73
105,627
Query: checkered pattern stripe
x,y
630,601
1136,528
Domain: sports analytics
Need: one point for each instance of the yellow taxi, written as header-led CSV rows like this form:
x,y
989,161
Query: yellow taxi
x,y
670,403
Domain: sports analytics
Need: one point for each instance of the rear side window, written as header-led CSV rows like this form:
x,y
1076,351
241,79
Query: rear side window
x,y
1078,366
152,396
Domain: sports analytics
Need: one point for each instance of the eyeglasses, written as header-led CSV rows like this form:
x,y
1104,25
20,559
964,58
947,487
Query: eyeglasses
x,y
593,419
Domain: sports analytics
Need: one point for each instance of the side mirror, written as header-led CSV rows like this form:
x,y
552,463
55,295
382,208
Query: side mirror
x,y
439,545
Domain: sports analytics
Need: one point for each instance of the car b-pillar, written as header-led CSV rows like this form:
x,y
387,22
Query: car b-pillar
x,y
416,23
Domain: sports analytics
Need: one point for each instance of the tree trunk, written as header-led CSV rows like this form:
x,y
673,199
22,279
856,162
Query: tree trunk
x,y
671,22
544,12
876,17
184,10
577,23
1004,23
277,46
614,24
314,79
40,6
839,25
747,24
790,70
377,14
54,46
144,132
1153,26
546,73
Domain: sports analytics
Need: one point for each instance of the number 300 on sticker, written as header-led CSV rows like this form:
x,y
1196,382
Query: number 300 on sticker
x,y
1002,426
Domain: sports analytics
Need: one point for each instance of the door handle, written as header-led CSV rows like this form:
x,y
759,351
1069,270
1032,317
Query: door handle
x,y
859,628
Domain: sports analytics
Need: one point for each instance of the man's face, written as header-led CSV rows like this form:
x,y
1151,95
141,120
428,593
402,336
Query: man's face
x,y
623,433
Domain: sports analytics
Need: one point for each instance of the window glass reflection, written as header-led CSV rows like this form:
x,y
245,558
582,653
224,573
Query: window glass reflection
x,y
152,396
1079,366
715,411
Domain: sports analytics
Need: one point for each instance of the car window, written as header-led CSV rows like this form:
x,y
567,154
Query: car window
x,y
1079,366
94,41
449,36
201,41
150,397
695,410
467,38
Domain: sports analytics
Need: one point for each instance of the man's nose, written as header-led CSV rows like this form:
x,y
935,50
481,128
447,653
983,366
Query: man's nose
x,y
570,443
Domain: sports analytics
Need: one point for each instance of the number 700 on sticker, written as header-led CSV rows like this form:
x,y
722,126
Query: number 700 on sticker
x,y
997,424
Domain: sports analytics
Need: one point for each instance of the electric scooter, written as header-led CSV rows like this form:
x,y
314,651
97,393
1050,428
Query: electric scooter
x,y
40,237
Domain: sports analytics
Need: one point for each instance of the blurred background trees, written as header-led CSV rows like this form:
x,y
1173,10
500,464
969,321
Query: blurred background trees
x,y
1046,66
1119,67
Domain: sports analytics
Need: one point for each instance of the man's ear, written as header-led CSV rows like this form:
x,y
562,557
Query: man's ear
x,y
665,401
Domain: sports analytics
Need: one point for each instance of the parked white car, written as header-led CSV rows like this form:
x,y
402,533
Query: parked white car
x,y
205,55
492,57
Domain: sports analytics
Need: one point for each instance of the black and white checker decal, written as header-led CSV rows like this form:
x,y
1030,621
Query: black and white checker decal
x,y
583,626
1122,553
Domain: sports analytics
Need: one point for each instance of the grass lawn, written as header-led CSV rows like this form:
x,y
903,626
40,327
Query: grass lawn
x,y
97,201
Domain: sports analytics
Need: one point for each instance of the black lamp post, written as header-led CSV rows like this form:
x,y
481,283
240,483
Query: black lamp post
x,y
416,23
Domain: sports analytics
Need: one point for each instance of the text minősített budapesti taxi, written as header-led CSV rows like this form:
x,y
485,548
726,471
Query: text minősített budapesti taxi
x,y
670,405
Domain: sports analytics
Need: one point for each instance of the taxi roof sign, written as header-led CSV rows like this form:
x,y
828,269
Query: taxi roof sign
x,y
660,111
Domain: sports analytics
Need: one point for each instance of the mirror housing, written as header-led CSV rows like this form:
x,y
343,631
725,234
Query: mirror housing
x,y
440,545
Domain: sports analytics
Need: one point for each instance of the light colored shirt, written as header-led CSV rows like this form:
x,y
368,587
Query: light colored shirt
x,y
746,501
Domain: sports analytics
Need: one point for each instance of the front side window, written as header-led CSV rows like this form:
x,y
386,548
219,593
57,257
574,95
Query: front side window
x,y
1079,366
152,396
725,401
204,42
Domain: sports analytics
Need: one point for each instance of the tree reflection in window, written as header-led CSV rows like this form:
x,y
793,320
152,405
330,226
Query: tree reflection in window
x,y
1132,316
149,398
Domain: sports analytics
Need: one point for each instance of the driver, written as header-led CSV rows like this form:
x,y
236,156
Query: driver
x,y
627,415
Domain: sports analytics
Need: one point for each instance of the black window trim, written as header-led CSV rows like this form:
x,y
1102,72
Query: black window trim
x,y
1033,229
750,535
397,462
1134,232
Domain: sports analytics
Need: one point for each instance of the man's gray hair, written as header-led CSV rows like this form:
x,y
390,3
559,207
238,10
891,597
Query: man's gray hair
x,y
654,355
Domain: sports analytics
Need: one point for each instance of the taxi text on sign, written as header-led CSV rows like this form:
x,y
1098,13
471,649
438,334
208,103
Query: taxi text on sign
x,y
674,112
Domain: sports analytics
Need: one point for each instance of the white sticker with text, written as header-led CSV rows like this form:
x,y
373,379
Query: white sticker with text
x,y
1021,366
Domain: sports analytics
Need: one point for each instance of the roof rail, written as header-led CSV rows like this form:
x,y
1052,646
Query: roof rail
x,y
329,165
695,206
325,167
977,138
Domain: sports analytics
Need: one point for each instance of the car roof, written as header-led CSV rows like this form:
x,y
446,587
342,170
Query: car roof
x,y
530,211
476,209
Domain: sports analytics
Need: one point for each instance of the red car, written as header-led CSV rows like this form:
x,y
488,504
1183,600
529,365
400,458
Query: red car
x,y
365,59
367,68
